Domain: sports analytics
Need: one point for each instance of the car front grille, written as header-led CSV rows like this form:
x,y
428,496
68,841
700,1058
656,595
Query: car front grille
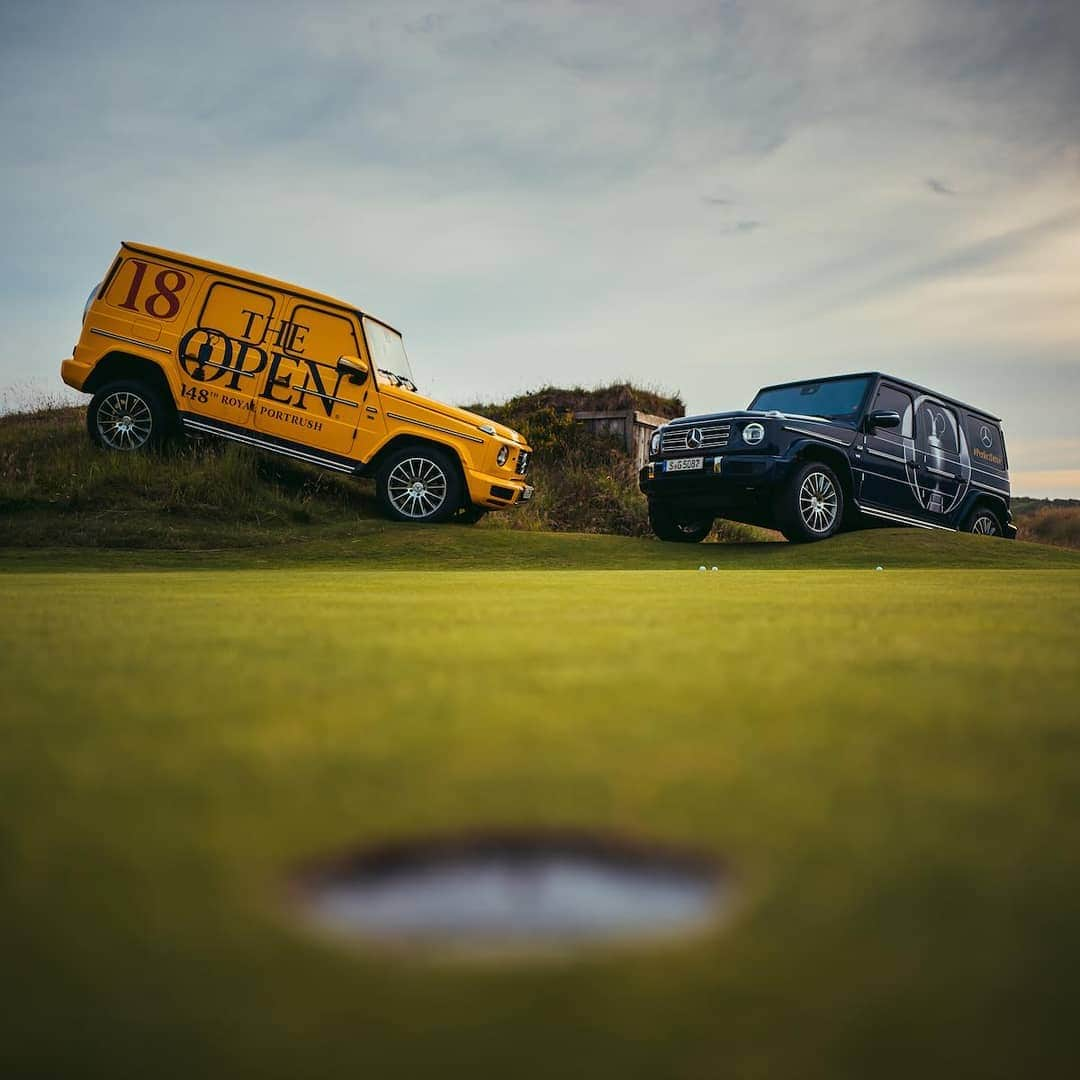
x,y
713,437
522,462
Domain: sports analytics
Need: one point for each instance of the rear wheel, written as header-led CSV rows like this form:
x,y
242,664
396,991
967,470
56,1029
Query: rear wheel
x,y
419,483
127,417
677,526
811,504
983,522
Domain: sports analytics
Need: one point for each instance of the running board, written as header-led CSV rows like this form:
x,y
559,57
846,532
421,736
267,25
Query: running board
x,y
200,427
888,516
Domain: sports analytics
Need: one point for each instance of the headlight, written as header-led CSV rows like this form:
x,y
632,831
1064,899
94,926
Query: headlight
x,y
503,454
654,443
752,434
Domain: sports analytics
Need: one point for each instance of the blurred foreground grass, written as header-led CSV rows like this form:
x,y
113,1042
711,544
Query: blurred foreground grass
x,y
890,761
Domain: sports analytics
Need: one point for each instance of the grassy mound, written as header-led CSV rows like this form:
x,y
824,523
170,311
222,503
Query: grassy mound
x,y
587,482
57,488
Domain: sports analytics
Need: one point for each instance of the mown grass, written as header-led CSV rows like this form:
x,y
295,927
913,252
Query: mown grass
x,y
889,761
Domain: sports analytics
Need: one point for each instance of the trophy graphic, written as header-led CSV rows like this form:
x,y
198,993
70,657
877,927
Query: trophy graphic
x,y
935,499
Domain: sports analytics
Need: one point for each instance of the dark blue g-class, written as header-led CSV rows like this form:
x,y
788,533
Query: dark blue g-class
x,y
812,458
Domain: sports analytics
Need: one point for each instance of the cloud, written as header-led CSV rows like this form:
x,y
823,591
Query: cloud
x,y
939,187
522,187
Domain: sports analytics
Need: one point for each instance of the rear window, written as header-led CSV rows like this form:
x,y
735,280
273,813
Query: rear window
x,y
986,443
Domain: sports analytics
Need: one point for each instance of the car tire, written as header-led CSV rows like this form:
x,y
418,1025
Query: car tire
x,y
420,484
129,417
810,506
983,522
678,527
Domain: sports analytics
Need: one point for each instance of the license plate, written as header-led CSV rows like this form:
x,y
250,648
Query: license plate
x,y
526,494
684,464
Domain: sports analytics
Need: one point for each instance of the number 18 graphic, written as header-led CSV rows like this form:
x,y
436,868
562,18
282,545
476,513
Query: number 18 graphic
x,y
163,299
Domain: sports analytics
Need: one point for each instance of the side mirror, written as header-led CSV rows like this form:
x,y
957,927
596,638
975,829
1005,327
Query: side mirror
x,y
353,368
882,418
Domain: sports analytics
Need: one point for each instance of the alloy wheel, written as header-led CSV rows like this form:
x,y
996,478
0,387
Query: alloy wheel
x,y
124,421
416,487
818,502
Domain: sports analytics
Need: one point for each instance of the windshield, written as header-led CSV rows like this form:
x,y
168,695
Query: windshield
x,y
836,399
388,355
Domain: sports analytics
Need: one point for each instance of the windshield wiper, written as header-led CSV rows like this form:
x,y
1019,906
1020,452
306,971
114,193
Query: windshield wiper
x,y
399,380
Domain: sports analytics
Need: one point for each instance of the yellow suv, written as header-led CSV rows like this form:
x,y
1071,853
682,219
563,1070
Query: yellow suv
x,y
171,343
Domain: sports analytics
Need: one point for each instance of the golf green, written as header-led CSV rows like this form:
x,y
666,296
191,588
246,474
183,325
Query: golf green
x,y
889,762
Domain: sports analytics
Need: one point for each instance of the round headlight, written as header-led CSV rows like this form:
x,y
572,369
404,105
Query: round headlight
x,y
654,443
753,434
503,454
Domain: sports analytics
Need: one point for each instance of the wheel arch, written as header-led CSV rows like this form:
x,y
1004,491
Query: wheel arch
x,y
983,499
120,365
405,439
834,457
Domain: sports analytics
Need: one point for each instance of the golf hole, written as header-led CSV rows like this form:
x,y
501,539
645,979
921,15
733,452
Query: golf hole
x,y
513,893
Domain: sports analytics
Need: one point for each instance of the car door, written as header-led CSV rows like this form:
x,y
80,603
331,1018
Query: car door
x,y
939,469
305,403
222,357
885,457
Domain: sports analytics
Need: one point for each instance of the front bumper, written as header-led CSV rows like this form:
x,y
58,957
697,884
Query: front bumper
x,y
497,491
725,481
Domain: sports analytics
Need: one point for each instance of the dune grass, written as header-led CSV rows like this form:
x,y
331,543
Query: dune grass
x,y
889,761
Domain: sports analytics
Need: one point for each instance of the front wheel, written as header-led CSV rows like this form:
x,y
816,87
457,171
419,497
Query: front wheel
x,y
419,483
811,504
983,522
678,527
127,416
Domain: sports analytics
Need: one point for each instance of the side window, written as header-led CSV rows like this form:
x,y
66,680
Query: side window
x,y
891,399
985,442
325,335
238,313
936,430
149,289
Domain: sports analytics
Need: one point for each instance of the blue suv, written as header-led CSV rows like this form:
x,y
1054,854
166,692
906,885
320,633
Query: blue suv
x,y
811,458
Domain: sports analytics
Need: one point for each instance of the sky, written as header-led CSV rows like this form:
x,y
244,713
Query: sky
x,y
700,197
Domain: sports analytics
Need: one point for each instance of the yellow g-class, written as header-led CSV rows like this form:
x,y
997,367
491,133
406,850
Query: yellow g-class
x,y
171,343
